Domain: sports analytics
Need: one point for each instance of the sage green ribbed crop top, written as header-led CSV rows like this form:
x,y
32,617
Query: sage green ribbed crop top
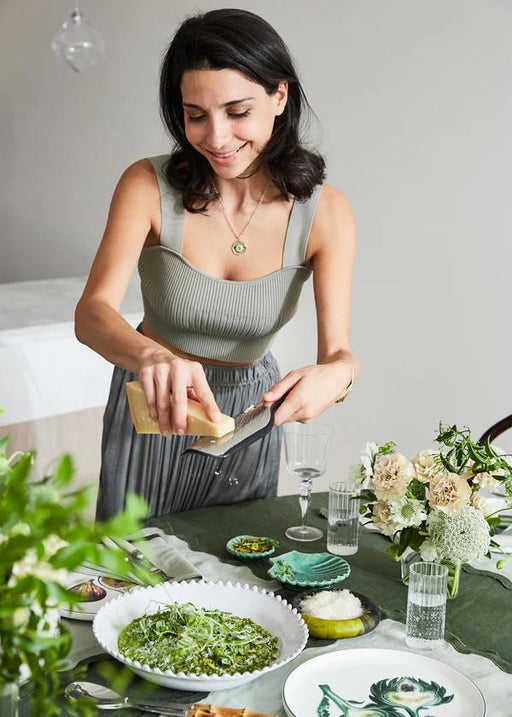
x,y
217,318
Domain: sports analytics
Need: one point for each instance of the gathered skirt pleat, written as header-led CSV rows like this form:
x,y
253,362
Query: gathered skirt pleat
x,y
153,466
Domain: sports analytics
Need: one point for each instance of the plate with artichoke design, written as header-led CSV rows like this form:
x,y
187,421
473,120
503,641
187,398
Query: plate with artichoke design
x,y
380,683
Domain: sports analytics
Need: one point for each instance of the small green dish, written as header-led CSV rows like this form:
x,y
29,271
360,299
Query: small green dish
x,y
234,545
339,629
309,569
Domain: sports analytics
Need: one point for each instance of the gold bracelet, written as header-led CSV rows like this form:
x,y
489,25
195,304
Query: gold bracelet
x,y
347,390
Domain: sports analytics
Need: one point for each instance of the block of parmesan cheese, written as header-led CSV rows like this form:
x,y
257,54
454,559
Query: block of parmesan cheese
x,y
198,424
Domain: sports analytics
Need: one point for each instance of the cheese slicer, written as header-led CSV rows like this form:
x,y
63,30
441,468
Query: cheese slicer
x,y
250,426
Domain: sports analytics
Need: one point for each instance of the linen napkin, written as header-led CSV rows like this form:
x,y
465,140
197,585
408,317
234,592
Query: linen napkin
x,y
504,540
165,556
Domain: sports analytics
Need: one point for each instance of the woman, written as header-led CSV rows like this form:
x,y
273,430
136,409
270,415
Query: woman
x,y
224,231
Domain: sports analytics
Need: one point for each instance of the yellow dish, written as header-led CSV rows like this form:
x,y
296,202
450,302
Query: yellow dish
x,y
339,629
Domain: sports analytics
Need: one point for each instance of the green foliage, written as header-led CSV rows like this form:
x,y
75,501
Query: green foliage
x,y
44,535
485,459
416,489
367,496
386,448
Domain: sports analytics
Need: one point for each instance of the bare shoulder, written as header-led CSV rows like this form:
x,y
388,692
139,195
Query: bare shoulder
x,y
139,176
333,222
137,190
333,204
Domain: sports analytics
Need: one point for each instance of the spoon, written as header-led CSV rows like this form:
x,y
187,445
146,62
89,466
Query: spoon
x,y
107,699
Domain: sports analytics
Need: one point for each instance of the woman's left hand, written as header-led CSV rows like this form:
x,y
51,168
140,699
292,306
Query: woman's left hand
x,y
311,390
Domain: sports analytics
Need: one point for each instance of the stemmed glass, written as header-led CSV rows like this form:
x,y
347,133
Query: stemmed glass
x,y
306,446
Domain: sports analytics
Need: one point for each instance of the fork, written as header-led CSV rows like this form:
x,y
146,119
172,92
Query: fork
x,y
135,555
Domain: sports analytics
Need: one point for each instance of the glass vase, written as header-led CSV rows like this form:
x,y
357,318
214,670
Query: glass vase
x,y
408,557
9,699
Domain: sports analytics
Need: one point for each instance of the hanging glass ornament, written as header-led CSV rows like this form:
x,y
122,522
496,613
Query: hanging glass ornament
x,y
78,43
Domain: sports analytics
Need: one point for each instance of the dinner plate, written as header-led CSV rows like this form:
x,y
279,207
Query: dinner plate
x,y
375,683
95,591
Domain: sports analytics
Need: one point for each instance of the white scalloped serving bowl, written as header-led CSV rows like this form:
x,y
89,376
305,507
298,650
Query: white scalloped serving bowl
x,y
271,612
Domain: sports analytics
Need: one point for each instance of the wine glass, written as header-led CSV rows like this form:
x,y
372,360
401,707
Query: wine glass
x,y
306,446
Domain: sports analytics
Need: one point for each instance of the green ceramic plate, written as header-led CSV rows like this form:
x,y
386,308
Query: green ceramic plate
x,y
238,542
337,629
309,569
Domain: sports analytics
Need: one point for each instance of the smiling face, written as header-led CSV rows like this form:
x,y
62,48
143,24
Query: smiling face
x,y
228,118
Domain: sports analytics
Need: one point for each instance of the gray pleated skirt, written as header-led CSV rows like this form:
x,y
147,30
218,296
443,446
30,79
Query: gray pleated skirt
x,y
153,466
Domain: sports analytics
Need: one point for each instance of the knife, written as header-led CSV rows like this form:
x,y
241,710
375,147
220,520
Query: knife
x,y
251,425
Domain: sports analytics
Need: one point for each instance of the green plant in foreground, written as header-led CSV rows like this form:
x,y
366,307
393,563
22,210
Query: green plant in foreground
x,y
44,536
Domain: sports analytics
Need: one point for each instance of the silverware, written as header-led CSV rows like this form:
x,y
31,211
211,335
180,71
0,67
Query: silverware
x,y
135,555
107,699
93,570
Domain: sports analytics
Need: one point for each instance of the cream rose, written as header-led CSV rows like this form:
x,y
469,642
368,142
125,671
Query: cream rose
x,y
479,502
392,473
480,478
381,518
448,492
486,479
426,464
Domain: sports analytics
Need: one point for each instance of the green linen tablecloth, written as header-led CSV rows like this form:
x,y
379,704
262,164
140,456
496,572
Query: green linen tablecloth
x,y
478,620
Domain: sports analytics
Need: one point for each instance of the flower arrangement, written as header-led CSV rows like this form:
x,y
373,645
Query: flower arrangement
x,y
431,504
43,536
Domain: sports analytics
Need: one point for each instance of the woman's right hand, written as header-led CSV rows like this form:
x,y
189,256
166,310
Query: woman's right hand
x,y
163,375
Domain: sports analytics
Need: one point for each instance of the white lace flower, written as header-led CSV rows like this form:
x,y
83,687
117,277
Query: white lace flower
x,y
407,512
428,552
462,538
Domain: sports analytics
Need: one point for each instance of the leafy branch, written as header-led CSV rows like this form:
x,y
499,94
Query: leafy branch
x,y
463,450
43,533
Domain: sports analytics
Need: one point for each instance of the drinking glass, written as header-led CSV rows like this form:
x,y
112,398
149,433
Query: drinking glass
x,y
426,606
343,519
306,446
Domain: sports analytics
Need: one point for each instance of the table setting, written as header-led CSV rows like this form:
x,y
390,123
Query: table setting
x,y
334,624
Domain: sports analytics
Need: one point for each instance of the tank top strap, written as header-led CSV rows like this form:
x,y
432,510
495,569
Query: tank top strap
x,y
171,206
299,229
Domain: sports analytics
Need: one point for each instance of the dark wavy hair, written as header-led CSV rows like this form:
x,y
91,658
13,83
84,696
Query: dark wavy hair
x,y
239,40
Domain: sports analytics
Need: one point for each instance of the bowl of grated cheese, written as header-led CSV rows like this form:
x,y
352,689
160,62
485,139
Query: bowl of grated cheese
x,y
336,614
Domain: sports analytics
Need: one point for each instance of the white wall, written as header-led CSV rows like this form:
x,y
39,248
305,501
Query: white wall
x,y
414,99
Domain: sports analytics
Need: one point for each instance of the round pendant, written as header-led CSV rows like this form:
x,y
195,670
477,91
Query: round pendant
x,y
239,247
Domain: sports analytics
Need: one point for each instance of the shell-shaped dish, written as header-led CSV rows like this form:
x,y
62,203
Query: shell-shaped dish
x,y
309,569
231,547
263,607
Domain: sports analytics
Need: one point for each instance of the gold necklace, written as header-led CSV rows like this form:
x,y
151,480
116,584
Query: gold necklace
x,y
239,247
